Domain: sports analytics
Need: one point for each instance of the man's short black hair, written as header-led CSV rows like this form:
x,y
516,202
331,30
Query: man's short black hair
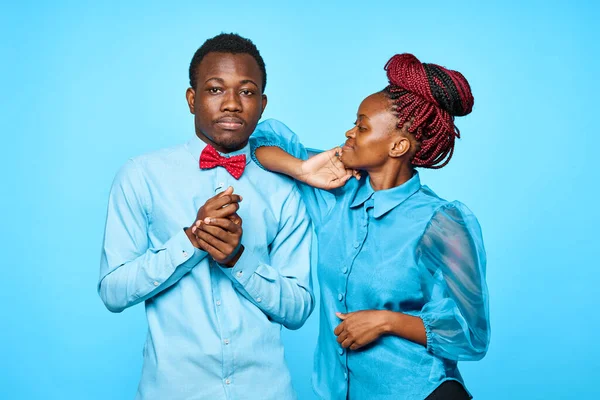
x,y
227,43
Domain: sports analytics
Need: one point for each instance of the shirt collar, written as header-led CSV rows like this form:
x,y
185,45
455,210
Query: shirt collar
x,y
385,200
195,146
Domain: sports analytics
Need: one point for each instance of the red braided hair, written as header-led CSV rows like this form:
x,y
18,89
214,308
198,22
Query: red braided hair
x,y
431,96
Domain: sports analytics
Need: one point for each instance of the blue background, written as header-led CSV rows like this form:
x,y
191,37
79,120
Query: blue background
x,y
85,85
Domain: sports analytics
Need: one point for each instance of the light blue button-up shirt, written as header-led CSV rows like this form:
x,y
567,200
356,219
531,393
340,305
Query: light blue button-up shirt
x,y
213,332
403,249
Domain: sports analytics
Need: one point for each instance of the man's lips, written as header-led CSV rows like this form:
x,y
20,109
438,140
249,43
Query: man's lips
x,y
230,123
347,147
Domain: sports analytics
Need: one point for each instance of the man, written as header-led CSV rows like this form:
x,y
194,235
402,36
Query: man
x,y
215,298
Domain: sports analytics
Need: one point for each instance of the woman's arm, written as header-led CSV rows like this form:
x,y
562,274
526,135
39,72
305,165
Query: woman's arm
x,y
454,322
456,316
275,147
276,160
322,171
360,328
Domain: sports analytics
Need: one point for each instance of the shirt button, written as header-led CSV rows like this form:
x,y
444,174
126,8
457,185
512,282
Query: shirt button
x,y
345,375
344,270
258,299
340,297
356,245
218,302
185,253
226,341
341,351
239,274
227,381
156,283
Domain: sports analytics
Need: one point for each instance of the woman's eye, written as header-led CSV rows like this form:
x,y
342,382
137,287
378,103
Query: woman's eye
x,y
357,125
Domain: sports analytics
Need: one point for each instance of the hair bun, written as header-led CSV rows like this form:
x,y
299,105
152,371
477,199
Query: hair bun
x,y
443,87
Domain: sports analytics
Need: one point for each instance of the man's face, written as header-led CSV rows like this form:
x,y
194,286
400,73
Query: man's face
x,y
227,101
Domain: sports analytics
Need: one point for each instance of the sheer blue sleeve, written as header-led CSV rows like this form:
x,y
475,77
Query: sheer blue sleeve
x,y
272,132
453,259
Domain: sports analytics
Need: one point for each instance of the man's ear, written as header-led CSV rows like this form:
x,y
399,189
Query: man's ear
x,y
264,104
190,95
400,146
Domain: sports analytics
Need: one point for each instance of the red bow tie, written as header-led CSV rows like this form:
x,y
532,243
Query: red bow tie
x,y
234,165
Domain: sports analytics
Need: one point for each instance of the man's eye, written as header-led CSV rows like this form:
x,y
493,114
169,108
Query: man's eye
x,y
214,90
247,92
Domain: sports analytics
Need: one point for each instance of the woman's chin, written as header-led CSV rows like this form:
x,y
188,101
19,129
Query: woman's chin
x,y
347,161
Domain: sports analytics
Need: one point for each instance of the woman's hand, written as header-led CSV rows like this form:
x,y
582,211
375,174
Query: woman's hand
x,y
325,170
360,328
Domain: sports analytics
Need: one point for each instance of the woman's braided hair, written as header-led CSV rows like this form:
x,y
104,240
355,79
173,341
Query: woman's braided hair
x,y
428,96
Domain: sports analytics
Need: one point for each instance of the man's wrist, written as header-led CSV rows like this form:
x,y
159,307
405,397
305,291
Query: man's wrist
x,y
237,254
191,237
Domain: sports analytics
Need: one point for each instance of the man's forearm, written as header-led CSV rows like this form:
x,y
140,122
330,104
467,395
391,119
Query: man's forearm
x,y
150,273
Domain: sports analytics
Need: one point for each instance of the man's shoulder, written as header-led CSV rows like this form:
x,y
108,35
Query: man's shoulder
x,y
268,178
277,189
165,155
154,164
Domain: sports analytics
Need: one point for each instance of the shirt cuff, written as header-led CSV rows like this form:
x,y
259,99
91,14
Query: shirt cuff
x,y
244,268
428,333
182,252
264,143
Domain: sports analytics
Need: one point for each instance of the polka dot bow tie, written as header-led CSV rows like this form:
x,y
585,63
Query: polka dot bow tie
x,y
234,165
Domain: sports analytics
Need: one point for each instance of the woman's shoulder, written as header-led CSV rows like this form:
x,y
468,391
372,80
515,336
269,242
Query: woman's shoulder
x,y
429,203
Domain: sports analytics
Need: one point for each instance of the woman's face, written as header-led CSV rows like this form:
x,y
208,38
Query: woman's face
x,y
370,141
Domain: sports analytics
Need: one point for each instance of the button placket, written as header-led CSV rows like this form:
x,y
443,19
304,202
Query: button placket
x,y
222,328
221,181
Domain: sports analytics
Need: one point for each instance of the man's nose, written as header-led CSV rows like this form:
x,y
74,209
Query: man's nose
x,y
231,102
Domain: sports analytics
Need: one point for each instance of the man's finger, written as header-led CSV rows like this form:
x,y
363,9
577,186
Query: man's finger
x,y
217,232
215,242
211,250
235,219
225,223
225,212
229,190
216,203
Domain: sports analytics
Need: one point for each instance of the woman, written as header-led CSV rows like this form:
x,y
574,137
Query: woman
x,y
402,271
